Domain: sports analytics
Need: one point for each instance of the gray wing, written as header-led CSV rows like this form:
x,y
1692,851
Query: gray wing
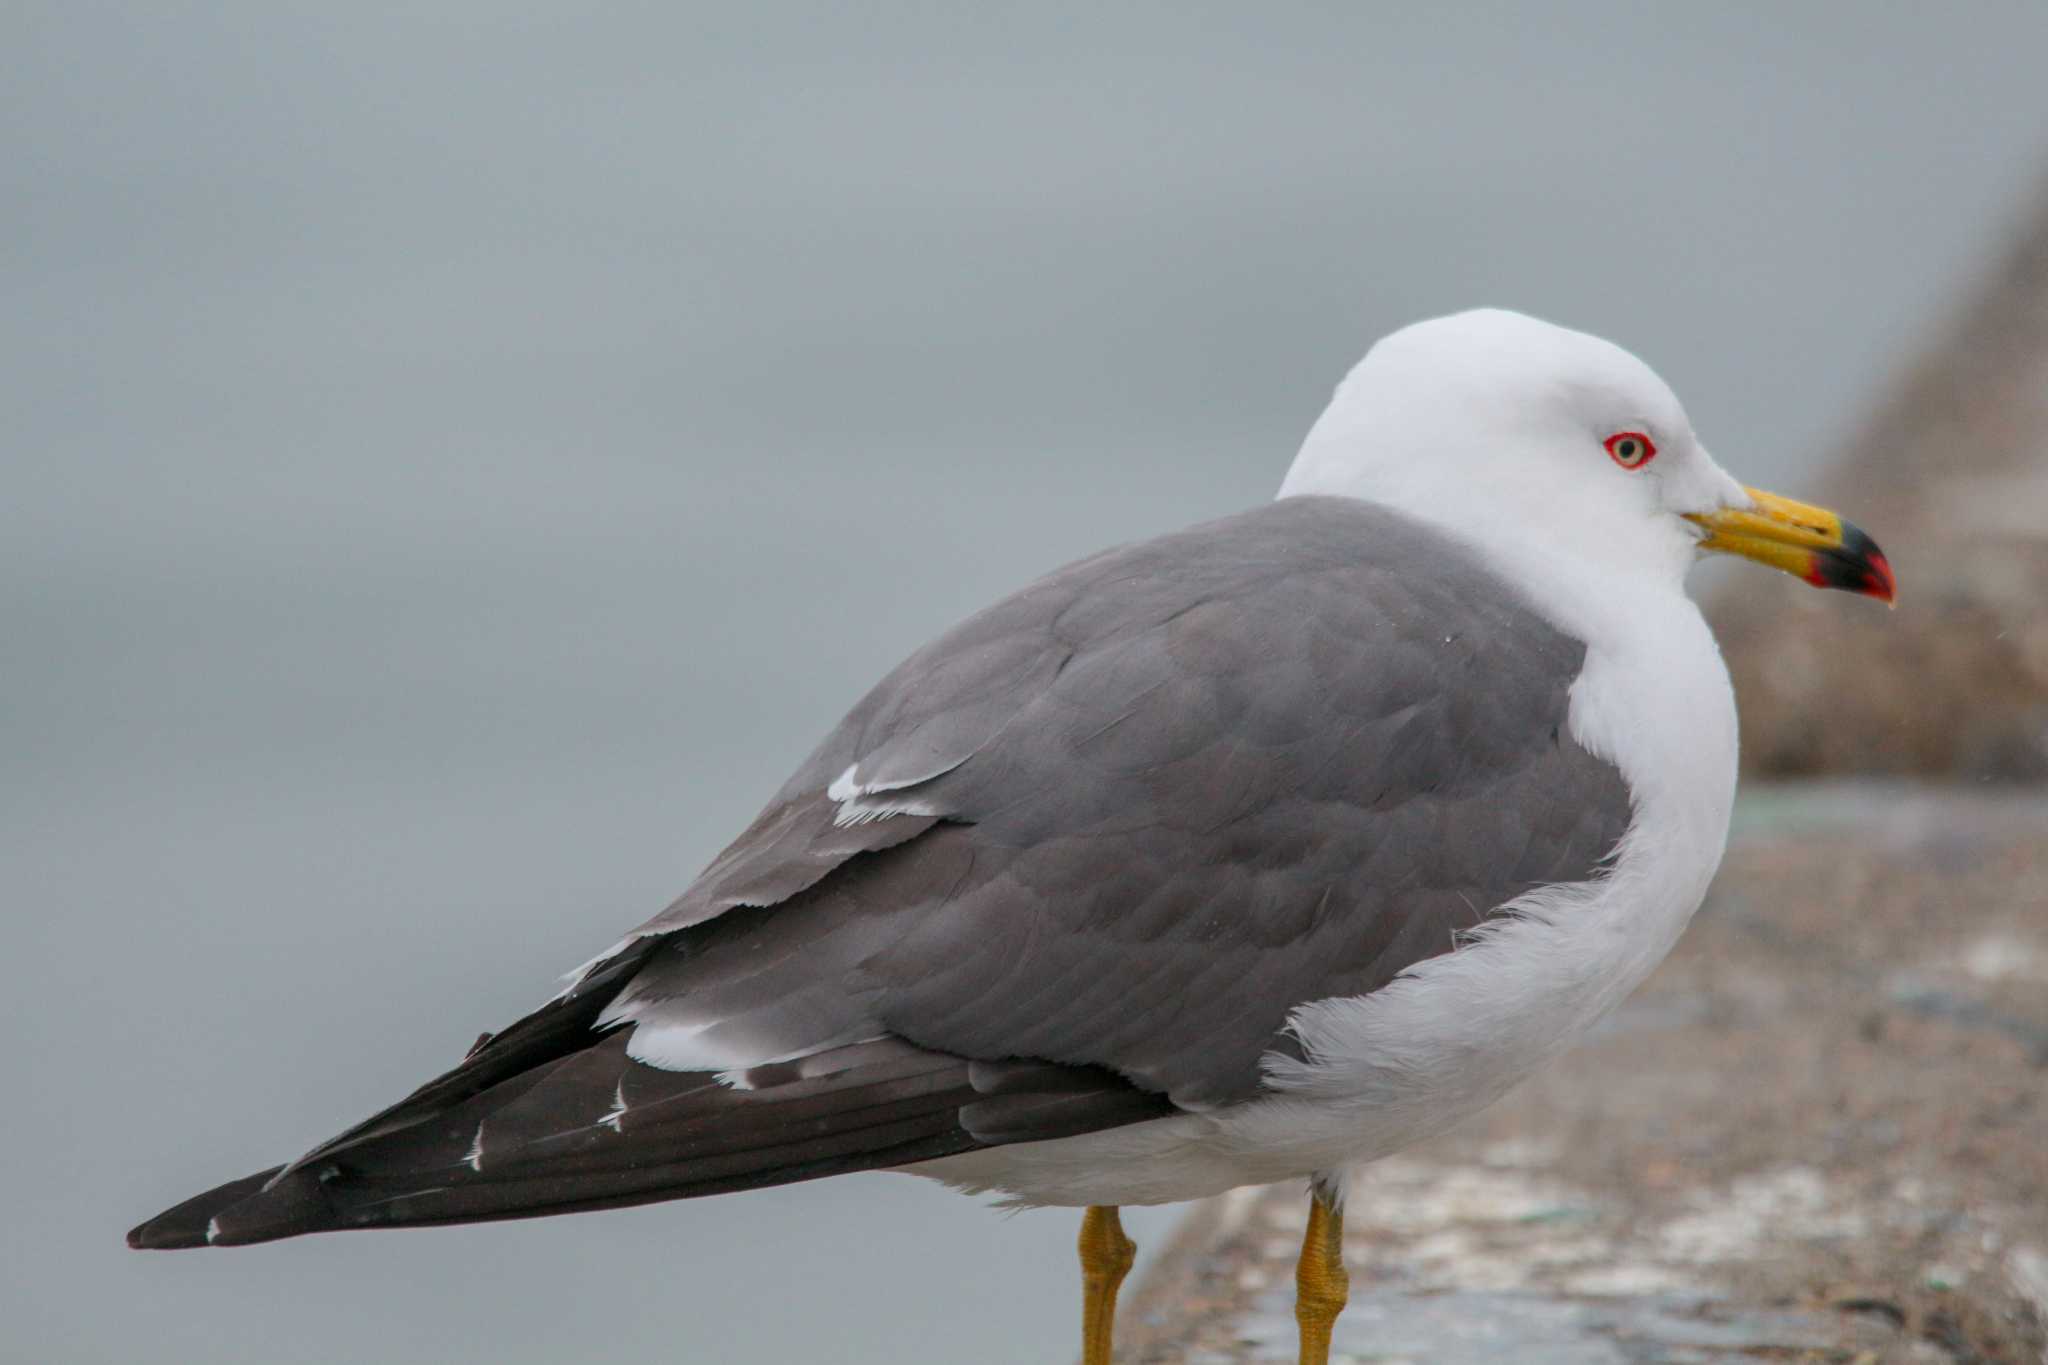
x,y
1070,866
1132,816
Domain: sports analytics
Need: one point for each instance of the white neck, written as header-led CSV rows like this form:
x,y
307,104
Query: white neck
x,y
1653,696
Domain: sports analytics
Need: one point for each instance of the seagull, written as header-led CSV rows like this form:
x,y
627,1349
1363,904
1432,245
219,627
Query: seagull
x,y
1242,855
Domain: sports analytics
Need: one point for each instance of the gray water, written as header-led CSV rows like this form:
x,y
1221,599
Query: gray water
x,y
456,463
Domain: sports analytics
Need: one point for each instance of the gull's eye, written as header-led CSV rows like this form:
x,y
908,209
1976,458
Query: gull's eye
x,y
1630,449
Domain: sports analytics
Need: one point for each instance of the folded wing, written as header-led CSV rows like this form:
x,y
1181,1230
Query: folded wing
x,y
1068,867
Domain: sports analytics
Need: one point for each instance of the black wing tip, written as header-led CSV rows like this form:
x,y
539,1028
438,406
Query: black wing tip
x,y
163,1233
233,1214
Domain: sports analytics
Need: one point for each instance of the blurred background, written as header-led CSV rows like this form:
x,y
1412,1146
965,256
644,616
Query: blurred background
x,y
460,457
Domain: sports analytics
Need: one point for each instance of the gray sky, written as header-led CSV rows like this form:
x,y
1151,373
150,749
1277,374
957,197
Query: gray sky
x,y
457,462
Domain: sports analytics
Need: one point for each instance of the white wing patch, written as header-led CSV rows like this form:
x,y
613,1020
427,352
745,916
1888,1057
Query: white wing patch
x,y
678,1046
689,1045
474,1159
844,788
735,1079
857,805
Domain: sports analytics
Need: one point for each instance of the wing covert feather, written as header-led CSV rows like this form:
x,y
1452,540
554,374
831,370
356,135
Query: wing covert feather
x,y
1164,796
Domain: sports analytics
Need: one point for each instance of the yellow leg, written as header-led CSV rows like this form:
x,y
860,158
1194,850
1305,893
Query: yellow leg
x,y
1106,1256
1320,1284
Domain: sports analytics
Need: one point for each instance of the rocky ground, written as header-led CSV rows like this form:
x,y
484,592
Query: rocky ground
x,y
1820,1133
1951,475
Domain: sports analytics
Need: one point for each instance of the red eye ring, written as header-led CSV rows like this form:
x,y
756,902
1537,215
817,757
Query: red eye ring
x,y
1631,449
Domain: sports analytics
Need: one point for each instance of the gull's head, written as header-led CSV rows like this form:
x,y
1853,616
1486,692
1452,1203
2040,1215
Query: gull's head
x,y
1542,443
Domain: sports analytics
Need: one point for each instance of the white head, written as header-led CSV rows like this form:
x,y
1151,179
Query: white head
x,y
1528,438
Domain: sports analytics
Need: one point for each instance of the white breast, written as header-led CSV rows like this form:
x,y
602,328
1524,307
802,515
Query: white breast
x,y
1452,1034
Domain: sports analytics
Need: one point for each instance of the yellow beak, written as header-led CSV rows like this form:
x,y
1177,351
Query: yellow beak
x,y
1807,542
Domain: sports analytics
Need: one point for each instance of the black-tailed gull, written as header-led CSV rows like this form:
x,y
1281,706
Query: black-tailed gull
x,y
1244,854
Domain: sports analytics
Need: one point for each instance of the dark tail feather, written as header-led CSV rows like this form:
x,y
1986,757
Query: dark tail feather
x,y
562,1027
291,1206
186,1224
596,1129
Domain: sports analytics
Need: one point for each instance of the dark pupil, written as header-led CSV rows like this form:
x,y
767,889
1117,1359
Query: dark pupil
x,y
1628,450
